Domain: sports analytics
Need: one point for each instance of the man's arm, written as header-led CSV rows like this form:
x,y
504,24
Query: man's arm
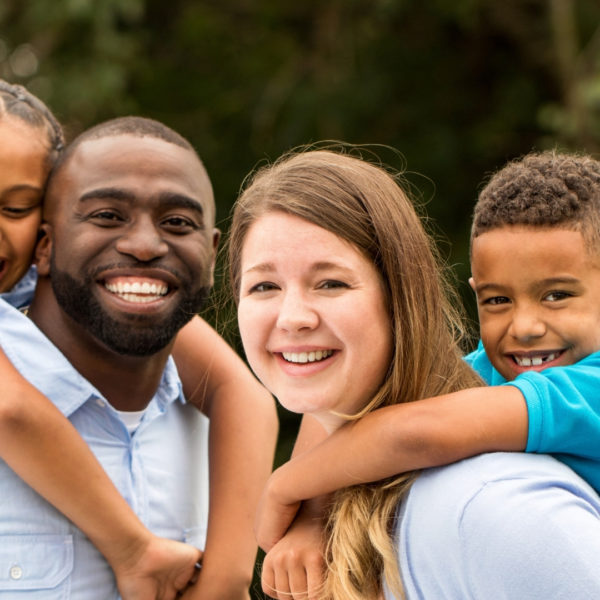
x,y
48,453
393,440
243,433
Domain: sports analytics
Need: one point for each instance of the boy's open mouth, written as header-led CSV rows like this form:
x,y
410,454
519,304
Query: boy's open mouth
x,y
537,360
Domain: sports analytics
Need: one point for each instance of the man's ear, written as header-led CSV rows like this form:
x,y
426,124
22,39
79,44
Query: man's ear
x,y
43,250
472,283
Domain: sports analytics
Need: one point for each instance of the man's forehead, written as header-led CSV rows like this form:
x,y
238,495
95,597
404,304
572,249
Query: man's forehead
x,y
127,157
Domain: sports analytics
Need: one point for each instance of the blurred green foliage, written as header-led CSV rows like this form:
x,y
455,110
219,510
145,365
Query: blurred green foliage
x,y
455,87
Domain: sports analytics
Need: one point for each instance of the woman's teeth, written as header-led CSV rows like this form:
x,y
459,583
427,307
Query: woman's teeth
x,y
306,357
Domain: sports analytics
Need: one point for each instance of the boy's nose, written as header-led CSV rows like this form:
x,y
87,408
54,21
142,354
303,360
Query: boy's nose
x,y
295,313
142,240
527,325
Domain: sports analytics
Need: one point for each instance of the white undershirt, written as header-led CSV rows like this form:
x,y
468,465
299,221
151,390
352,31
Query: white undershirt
x,y
131,418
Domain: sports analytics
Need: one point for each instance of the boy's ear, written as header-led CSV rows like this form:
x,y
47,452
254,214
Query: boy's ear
x,y
43,250
472,283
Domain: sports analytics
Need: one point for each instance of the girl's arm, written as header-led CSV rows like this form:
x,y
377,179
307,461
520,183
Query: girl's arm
x,y
47,452
243,433
392,440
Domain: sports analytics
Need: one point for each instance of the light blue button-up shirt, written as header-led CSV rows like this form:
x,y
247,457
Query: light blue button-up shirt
x,y
161,470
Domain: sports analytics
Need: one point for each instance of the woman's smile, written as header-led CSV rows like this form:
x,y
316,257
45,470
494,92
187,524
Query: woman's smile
x,y
313,317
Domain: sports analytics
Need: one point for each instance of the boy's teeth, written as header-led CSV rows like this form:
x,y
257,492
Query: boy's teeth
x,y
536,361
306,357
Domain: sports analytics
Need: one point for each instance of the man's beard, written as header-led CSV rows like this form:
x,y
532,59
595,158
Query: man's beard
x,y
77,300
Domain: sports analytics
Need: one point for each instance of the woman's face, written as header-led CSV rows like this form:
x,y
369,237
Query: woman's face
x,y
23,172
313,318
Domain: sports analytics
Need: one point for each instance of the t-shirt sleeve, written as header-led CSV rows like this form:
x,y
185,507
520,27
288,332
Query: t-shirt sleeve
x,y
563,405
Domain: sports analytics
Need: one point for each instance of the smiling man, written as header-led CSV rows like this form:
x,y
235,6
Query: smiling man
x,y
126,259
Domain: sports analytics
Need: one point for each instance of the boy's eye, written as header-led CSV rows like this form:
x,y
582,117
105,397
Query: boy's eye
x,y
496,300
557,296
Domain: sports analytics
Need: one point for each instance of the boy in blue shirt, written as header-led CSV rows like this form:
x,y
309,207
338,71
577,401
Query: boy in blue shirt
x,y
535,258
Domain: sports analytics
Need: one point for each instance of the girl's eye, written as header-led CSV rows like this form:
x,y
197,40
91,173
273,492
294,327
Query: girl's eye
x,y
17,212
557,296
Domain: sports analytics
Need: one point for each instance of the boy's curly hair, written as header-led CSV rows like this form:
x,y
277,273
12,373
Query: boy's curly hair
x,y
543,189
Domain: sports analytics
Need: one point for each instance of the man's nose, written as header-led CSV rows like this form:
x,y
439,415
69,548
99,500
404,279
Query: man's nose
x,y
143,240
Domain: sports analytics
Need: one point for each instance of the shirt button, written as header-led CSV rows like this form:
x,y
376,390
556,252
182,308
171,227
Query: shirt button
x,y
100,402
16,572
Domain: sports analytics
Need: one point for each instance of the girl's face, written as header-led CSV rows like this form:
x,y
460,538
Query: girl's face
x,y
23,172
313,318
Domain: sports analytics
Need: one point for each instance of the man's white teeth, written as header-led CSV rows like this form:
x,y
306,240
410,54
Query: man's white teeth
x,y
307,357
535,361
138,292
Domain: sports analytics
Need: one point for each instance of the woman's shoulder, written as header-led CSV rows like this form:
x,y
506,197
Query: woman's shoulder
x,y
495,519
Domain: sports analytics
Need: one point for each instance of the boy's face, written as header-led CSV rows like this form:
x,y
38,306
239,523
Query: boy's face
x,y
538,297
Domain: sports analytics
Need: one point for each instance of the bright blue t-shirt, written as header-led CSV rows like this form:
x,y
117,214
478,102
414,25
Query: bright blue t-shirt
x,y
563,406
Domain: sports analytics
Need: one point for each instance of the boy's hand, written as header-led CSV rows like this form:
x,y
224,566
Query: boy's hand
x,y
294,568
273,515
158,570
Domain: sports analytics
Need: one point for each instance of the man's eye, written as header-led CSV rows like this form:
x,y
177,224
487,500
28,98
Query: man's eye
x,y
105,215
180,223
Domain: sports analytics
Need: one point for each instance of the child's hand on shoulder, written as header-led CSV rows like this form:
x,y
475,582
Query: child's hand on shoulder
x,y
294,567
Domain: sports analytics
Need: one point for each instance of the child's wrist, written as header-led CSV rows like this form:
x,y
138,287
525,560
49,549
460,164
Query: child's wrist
x,y
127,549
279,487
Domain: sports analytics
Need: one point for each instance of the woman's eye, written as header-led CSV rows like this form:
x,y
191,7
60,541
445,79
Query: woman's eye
x,y
332,284
264,286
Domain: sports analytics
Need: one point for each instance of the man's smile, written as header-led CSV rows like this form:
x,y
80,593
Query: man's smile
x,y
137,289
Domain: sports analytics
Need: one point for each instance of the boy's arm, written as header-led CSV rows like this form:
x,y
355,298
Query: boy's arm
x,y
393,440
296,561
46,451
243,433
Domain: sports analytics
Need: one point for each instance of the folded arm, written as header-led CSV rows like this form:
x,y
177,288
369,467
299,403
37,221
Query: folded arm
x,y
243,433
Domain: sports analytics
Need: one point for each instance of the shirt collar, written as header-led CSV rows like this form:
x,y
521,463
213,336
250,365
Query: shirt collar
x,y
40,362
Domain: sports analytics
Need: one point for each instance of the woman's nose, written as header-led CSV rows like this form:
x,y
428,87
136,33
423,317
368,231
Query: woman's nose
x,y
296,313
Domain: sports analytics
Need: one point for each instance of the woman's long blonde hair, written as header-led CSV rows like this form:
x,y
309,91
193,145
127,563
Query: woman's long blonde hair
x,y
363,204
